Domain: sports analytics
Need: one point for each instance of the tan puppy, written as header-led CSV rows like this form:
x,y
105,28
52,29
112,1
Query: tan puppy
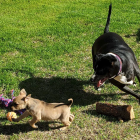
x,y
41,110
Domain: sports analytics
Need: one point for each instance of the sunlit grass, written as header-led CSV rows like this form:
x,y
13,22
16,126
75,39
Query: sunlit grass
x,y
45,47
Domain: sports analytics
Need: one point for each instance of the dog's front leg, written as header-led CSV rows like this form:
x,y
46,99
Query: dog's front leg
x,y
128,90
33,121
36,118
125,88
24,115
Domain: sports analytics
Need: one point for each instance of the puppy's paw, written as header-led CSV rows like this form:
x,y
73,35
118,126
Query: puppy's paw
x,y
33,125
63,128
71,117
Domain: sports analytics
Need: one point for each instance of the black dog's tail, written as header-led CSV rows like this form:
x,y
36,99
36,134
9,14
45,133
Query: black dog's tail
x,y
106,30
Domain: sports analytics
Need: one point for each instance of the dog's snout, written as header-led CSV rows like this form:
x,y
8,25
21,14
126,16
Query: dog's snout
x,y
92,78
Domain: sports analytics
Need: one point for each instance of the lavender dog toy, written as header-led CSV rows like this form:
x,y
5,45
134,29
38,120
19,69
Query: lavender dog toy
x,y
7,102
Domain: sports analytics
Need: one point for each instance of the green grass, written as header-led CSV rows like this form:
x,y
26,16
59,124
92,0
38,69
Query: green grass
x,y
45,47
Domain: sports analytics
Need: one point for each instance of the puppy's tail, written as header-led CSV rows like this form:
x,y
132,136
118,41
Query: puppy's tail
x,y
106,30
70,102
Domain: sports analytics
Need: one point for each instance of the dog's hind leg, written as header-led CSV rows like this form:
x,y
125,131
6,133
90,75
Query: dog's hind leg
x,y
125,88
66,124
138,74
137,70
65,120
71,117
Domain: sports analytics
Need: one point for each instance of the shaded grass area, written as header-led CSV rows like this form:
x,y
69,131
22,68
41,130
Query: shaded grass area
x,y
45,47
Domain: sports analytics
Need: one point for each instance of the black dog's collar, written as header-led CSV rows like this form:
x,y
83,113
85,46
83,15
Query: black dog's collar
x,y
120,64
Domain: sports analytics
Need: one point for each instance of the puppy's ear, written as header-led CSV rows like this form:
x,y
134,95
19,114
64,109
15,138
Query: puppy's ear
x,y
23,92
29,95
27,98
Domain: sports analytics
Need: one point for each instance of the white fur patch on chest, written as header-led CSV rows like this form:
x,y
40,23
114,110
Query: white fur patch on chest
x,y
122,79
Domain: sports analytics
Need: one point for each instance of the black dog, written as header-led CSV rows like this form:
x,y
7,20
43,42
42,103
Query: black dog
x,y
114,60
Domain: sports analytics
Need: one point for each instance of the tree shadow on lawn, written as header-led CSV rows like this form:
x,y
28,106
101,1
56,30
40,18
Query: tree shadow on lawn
x,y
57,89
137,35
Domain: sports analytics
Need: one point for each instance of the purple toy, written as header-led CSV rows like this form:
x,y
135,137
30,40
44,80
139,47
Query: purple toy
x,y
7,102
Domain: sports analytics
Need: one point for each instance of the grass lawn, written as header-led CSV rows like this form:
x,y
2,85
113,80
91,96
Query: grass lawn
x,y
45,47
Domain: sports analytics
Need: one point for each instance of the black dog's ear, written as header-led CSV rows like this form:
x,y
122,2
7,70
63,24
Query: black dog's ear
x,y
98,56
111,58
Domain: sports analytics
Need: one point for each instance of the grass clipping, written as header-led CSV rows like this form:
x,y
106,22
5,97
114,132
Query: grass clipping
x,y
122,112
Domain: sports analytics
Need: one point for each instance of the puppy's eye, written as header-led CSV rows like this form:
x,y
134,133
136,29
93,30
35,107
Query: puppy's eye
x,y
15,104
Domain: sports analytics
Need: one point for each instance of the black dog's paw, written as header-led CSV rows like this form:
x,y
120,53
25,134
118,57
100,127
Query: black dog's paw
x,y
99,89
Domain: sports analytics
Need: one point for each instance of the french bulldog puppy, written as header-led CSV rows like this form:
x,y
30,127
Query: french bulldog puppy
x,y
41,110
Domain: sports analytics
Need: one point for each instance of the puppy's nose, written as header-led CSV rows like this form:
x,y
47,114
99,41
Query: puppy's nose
x,y
11,108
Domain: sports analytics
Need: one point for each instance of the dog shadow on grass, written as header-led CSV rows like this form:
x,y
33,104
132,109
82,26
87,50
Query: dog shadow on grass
x,y
57,89
16,128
